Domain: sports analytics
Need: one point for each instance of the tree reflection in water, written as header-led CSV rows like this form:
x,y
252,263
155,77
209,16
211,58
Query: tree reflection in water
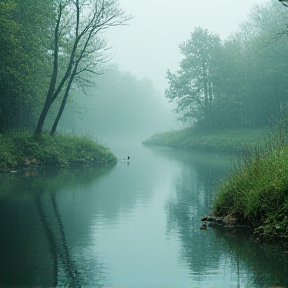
x,y
59,250
268,264
205,251
60,253
50,236
38,243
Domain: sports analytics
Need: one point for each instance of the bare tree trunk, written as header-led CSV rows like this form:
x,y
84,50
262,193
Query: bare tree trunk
x,y
52,85
38,131
64,100
61,109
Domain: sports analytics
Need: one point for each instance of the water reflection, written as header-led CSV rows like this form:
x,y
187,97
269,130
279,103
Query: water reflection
x,y
34,246
134,225
268,264
194,191
216,258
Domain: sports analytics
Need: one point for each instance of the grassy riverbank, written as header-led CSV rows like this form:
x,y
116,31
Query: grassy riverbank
x,y
256,191
190,138
20,150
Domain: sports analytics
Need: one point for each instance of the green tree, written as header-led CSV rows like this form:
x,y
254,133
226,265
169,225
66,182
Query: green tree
x,y
268,69
251,81
232,86
239,83
192,86
78,42
24,41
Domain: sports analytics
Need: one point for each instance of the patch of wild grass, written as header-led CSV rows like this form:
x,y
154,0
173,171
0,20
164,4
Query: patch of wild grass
x,y
226,140
8,155
257,188
21,148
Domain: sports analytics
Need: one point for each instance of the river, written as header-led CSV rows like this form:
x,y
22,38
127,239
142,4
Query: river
x,y
132,225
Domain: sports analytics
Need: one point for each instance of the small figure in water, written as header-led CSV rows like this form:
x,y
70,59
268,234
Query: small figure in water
x,y
128,160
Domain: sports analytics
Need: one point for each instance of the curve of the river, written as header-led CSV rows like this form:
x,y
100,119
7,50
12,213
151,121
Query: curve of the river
x,y
134,225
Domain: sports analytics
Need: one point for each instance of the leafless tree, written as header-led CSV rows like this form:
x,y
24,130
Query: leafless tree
x,y
79,47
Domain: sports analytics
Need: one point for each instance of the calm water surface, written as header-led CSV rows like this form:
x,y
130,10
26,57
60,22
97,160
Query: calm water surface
x,y
133,225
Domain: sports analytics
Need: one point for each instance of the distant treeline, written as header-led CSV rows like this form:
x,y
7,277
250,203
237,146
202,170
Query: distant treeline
x,y
120,105
240,82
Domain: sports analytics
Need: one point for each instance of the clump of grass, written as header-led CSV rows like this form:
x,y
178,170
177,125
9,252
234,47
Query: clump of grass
x,y
256,189
8,157
20,149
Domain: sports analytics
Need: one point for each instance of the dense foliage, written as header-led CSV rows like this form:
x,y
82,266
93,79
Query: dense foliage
x,y
24,62
237,83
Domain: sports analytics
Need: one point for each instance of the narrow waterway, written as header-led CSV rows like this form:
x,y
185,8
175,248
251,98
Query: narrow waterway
x,y
133,225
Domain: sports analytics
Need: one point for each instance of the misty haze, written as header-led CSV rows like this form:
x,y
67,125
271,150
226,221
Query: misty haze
x,y
143,143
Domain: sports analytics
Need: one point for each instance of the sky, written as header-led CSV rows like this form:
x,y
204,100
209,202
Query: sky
x,y
149,45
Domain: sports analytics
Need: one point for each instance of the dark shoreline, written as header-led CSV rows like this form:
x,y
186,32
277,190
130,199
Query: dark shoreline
x,y
232,226
16,169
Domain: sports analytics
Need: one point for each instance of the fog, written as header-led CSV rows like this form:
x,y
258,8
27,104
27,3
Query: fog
x,y
118,108
128,102
148,45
